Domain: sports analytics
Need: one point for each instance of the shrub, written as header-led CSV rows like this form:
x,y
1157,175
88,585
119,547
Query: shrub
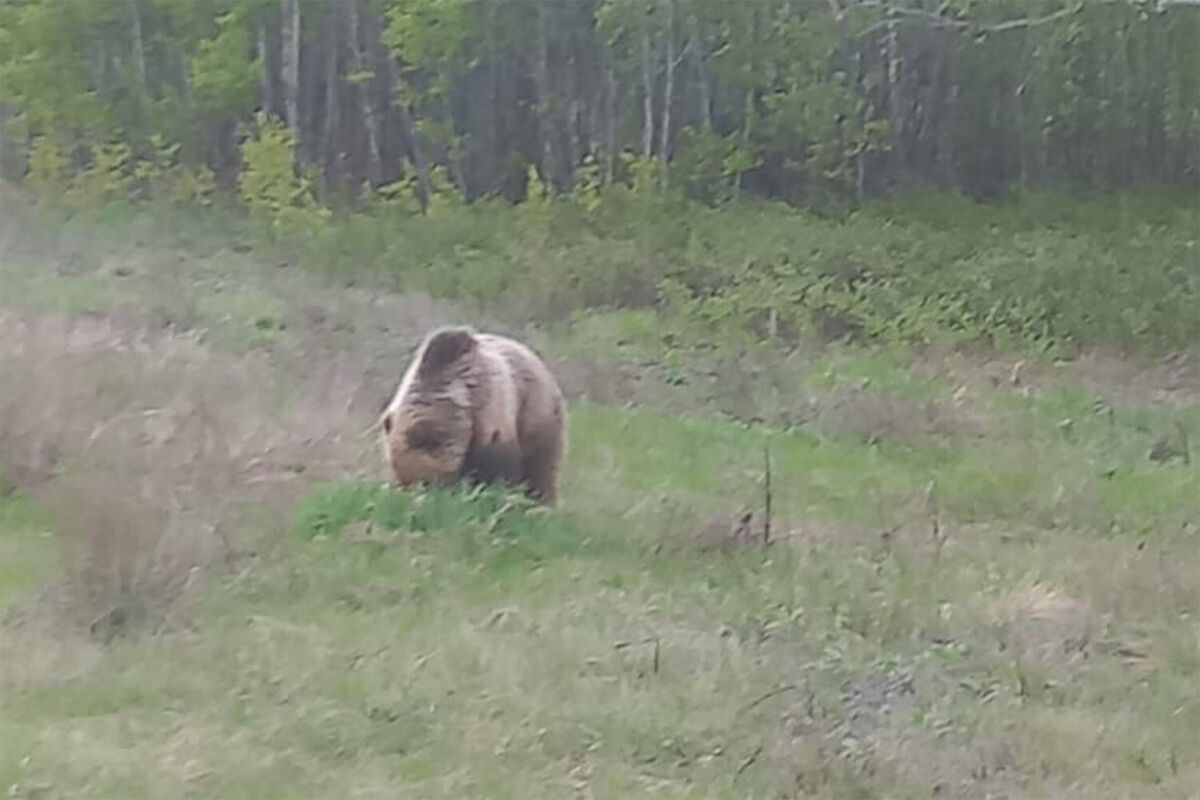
x,y
48,169
1043,272
282,203
1133,284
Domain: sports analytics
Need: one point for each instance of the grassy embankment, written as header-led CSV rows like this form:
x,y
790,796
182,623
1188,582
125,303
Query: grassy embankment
x,y
979,583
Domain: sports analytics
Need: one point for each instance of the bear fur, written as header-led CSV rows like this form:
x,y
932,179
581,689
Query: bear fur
x,y
478,407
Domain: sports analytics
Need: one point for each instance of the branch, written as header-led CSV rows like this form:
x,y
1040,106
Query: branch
x,y
748,762
787,687
687,46
766,494
936,18
1014,24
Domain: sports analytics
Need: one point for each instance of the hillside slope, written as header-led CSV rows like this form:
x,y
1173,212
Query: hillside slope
x,y
979,582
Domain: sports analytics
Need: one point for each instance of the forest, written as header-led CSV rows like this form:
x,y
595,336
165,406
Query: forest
x,y
818,103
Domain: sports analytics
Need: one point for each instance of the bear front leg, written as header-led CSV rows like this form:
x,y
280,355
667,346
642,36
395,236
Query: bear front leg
x,y
495,463
541,467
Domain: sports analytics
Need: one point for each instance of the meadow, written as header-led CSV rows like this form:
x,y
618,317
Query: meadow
x,y
980,573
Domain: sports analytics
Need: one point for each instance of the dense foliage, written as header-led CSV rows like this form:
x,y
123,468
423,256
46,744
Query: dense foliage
x,y
811,102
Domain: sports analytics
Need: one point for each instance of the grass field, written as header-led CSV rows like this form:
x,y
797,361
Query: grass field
x,y
980,584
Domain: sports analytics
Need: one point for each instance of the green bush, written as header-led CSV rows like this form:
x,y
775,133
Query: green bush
x,y
281,201
1043,271
114,175
48,176
1000,279
706,165
1124,273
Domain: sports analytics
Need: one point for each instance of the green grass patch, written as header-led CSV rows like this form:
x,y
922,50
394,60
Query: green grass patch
x,y
431,656
28,549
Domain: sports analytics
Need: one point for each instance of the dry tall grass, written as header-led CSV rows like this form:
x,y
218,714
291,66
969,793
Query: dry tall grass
x,y
159,457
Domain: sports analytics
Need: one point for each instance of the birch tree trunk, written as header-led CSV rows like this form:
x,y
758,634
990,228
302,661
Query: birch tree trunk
x,y
647,98
266,86
370,118
290,71
610,132
139,49
664,140
697,54
330,146
542,80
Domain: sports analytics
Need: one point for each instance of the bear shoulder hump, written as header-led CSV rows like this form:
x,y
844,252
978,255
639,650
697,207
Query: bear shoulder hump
x,y
444,348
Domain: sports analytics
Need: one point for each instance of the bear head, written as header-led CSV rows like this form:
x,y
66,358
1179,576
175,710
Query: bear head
x,y
427,427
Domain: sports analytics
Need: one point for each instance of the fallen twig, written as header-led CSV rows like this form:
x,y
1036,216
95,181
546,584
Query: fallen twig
x,y
766,494
790,687
746,764
621,645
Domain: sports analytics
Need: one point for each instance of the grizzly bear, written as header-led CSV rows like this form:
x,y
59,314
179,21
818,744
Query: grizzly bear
x,y
477,407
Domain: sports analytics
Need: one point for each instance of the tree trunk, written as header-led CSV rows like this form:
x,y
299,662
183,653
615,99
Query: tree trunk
x,y
454,154
1022,166
139,50
938,100
892,102
749,121
290,69
329,144
864,116
664,140
370,118
417,152
571,111
610,133
266,85
737,179
495,130
541,79
415,149
647,99
701,74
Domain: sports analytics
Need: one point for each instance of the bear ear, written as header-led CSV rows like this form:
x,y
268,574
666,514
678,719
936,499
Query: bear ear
x,y
445,348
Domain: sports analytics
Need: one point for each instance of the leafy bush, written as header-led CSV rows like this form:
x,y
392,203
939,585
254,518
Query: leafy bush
x,y
1044,271
108,178
1116,275
113,174
282,203
48,175
166,180
997,279
707,163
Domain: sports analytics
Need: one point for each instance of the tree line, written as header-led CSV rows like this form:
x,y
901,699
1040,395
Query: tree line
x,y
808,101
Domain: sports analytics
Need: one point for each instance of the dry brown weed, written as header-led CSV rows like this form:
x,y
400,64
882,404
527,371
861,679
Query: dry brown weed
x,y
871,415
148,448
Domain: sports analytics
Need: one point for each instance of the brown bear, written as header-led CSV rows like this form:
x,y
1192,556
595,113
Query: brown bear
x,y
479,407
